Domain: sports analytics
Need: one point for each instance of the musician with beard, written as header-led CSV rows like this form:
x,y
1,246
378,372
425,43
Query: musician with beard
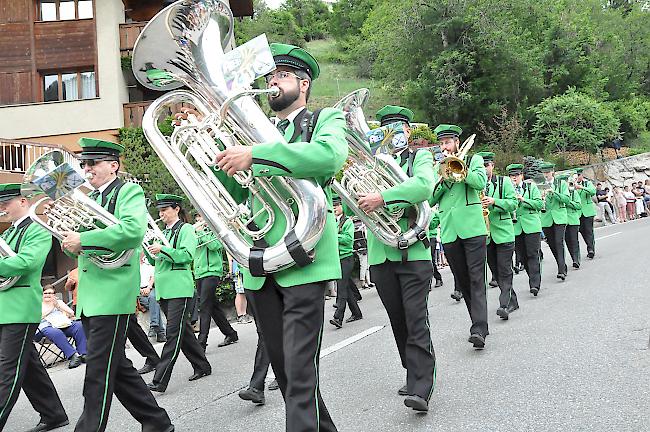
x,y
554,217
289,304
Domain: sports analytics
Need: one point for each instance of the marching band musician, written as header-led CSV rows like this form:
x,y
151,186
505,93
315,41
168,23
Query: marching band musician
x,y
433,239
554,218
500,200
20,314
106,297
174,292
573,211
463,232
586,191
528,226
403,277
289,304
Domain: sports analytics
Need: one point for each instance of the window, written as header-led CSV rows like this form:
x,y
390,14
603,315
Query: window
x,y
62,86
61,10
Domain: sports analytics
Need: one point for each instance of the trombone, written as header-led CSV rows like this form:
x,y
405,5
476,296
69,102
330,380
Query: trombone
x,y
454,168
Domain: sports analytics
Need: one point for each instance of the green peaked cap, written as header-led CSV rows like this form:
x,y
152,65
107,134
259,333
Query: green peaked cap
x,y
9,191
393,113
579,170
93,148
515,168
563,176
487,156
295,57
168,200
448,130
547,167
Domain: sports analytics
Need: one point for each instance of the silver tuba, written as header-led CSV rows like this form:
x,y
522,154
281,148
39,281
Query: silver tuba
x,y
66,207
7,251
185,43
366,173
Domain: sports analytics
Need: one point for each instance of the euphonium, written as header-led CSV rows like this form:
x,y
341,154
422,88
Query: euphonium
x,y
7,251
185,42
367,173
72,210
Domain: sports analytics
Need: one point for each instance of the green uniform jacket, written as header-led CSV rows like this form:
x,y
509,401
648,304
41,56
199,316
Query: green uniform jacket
x,y
574,208
586,198
433,225
460,210
416,189
556,202
319,159
173,274
21,304
505,202
528,216
113,291
345,237
208,259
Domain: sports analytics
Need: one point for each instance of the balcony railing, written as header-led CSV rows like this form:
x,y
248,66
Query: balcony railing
x,y
128,35
17,156
134,111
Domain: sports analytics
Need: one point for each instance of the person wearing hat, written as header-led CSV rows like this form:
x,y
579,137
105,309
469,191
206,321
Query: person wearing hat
x,y
344,293
528,225
586,191
289,304
174,292
403,276
433,238
554,216
208,272
500,200
106,298
573,211
20,315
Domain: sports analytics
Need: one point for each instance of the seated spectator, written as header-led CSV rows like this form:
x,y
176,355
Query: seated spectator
x,y
57,325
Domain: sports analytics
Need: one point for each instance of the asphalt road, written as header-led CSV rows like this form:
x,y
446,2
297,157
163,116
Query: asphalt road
x,y
575,358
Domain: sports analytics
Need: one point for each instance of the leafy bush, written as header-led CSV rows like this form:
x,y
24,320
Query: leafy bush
x,y
634,115
225,292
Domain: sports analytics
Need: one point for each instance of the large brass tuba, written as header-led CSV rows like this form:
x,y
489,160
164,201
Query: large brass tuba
x,y
185,42
71,209
367,173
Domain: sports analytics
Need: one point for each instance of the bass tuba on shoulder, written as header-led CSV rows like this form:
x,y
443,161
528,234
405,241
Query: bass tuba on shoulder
x,y
184,45
366,173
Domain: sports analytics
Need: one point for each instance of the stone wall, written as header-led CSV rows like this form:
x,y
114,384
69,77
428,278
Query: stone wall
x,y
620,172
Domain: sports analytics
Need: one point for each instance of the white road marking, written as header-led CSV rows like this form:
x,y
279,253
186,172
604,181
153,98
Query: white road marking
x,y
345,342
608,235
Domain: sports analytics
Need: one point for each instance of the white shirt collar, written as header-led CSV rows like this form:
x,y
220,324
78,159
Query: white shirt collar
x,y
291,117
19,221
103,187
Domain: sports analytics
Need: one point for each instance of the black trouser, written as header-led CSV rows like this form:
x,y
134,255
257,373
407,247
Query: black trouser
x,y
262,360
466,258
108,372
572,242
141,342
209,309
436,273
344,292
587,232
180,337
291,322
528,248
555,239
499,257
404,289
20,367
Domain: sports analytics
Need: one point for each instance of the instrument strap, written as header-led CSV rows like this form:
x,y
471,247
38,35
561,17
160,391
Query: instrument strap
x,y
21,229
419,232
301,257
256,258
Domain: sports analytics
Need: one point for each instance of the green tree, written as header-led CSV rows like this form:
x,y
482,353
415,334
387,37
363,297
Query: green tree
x,y
279,26
312,17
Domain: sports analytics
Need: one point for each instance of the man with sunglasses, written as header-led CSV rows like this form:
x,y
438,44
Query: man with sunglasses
x,y
463,231
289,304
107,297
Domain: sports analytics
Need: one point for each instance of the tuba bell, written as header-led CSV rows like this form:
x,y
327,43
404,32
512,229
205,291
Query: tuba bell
x,y
366,173
185,43
66,207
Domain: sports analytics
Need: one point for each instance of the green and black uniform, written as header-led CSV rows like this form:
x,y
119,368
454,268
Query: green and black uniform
x,y
588,212
554,219
574,212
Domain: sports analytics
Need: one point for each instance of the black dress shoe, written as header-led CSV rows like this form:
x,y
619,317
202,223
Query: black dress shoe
x,y
503,313
199,375
534,291
477,340
161,337
403,391
273,385
457,295
417,403
229,340
336,323
83,358
354,318
438,283
156,387
493,283
590,255
252,394
51,426
75,361
511,309
146,369
576,266
561,276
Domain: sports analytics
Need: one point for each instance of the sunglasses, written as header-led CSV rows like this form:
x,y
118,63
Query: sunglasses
x,y
93,162
280,75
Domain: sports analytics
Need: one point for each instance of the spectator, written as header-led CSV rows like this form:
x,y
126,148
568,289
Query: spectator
x,y
621,204
71,285
639,202
57,325
241,305
148,301
361,249
630,203
603,204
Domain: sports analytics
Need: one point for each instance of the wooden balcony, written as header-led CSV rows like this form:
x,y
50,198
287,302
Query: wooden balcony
x,y
134,111
128,35
17,156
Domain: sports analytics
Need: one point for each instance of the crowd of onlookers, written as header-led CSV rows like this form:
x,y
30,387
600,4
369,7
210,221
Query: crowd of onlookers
x,y
622,204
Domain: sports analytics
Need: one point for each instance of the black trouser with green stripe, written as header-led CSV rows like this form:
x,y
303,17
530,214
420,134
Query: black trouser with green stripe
x,y
404,289
108,372
528,248
180,337
587,232
209,309
291,322
344,291
20,367
499,258
555,239
572,242
141,342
